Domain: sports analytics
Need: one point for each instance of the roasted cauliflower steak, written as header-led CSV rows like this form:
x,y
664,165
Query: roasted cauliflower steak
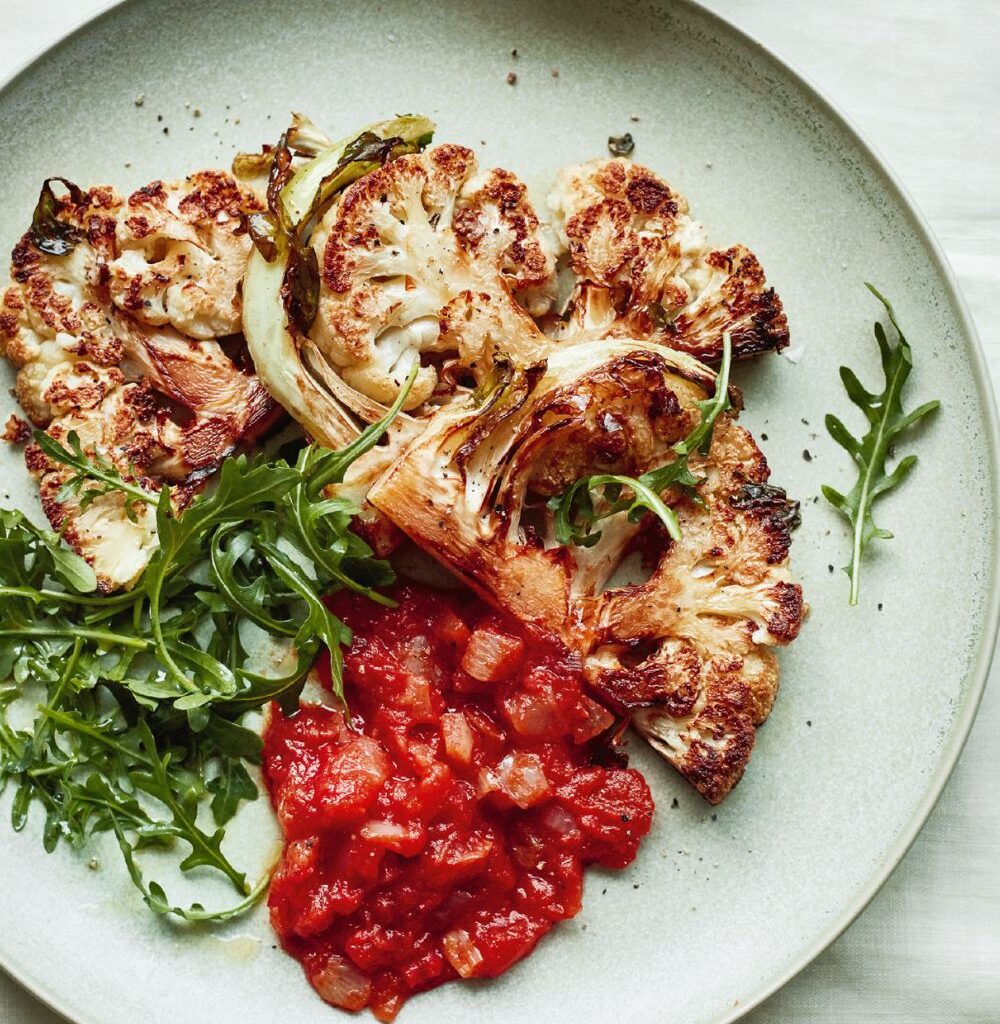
x,y
427,262
678,635
127,336
644,268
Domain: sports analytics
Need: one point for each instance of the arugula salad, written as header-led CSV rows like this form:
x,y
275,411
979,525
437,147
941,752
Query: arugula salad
x,y
145,692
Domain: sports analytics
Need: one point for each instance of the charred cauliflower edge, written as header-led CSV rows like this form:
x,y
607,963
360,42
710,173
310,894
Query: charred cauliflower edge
x,y
644,268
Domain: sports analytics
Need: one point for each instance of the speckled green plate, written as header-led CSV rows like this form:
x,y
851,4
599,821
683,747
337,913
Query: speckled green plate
x,y
722,905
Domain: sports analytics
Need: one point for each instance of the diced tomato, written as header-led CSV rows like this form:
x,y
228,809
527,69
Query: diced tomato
x,y
324,903
451,629
417,973
349,781
555,890
371,946
615,810
451,833
457,857
486,728
502,937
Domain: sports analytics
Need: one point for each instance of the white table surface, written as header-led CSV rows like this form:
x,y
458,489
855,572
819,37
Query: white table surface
x,y
921,79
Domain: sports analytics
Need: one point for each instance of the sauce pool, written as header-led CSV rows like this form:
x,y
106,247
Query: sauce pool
x,y
447,832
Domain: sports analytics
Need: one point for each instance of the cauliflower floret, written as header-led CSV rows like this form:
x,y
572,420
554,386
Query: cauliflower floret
x,y
116,544
496,224
619,222
407,252
136,429
158,404
53,327
685,650
645,269
182,252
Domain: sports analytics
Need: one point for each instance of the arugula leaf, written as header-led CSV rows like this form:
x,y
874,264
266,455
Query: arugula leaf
x,y
229,789
156,899
323,467
26,551
242,588
575,515
245,487
886,420
206,850
230,739
145,690
95,475
574,512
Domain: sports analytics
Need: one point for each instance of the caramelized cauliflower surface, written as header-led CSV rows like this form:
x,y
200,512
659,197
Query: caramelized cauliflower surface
x,y
685,650
410,255
181,250
116,544
125,339
644,268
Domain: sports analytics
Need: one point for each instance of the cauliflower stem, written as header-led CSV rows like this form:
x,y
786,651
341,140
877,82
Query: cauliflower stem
x,y
294,199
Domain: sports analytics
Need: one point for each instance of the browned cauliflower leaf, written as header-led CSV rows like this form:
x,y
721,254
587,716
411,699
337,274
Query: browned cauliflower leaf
x,y
675,634
644,268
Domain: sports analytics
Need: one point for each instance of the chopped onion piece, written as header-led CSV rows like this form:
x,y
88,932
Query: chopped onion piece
x,y
599,720
461,953
406,840
491,656
341,984
459,739
559,820
519,777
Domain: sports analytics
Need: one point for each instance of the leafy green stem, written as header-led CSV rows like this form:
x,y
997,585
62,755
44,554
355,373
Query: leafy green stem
x,y
102,636
205,850
89,467
74,723
106,602
334,468
156,899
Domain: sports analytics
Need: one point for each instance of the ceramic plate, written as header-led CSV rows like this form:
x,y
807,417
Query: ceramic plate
x,y
724,904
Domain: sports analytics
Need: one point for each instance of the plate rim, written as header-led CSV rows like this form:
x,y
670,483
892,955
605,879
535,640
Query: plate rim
x,y
986,645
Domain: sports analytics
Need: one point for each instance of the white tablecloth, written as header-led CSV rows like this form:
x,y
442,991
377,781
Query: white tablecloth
x,y
921,78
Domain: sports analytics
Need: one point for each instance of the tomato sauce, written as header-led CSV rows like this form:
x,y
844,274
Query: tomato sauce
x,y
446,832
